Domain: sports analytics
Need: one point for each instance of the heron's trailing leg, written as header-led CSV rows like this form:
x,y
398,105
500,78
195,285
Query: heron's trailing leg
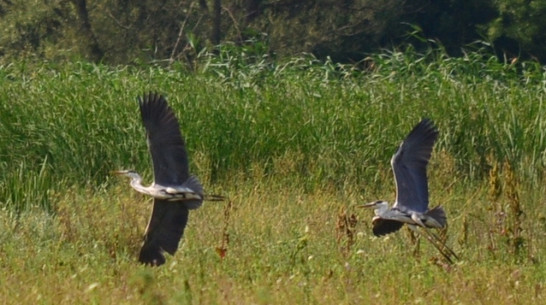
x,y
429,235
441,246
439,242
435,241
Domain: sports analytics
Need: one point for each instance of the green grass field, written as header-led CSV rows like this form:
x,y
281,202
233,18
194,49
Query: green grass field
x,y
296,146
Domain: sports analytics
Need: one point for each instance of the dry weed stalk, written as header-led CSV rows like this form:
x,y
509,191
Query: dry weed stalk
x,y
222,249
516,239
345,229
508,213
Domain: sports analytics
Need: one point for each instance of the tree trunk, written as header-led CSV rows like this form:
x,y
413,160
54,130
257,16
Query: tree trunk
x,y
93,47
216,22
252,9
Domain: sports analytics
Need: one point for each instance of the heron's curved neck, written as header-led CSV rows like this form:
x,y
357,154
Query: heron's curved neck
x,y
136,183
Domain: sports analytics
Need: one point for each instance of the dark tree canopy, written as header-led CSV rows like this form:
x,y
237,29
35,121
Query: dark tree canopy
x,y
122,31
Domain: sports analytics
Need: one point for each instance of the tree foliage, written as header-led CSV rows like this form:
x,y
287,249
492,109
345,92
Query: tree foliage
x,y
520,27
124,31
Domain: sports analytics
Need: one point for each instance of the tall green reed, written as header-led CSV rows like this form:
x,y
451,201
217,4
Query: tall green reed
x,y
340,124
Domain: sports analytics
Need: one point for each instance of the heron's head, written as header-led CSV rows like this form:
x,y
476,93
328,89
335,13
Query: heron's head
x,y
128,173
378,205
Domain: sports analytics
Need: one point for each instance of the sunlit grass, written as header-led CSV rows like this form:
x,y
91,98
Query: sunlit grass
x,y
284,245
295,146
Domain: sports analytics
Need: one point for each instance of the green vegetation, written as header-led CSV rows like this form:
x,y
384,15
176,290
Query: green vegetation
x,y
122,32
295,145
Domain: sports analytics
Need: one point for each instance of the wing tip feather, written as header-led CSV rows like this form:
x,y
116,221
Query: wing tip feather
x,y
151,255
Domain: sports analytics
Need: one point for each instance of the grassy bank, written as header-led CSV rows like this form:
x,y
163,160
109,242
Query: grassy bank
x,y
295,146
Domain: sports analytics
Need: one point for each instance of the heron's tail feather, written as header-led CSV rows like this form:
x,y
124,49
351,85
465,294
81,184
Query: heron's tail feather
x,y
193,184
439,215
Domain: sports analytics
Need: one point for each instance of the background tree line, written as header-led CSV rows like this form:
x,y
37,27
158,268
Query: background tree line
x,y
125,31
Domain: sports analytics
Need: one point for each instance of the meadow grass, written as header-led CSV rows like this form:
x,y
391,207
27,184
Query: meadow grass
x,y
295,145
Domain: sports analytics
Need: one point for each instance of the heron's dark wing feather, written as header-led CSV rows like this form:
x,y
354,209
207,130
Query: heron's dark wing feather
x,y
385,226
164,231
165,141
410,167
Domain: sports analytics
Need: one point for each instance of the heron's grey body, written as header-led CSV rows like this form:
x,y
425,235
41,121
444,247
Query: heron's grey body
x,y
175,192
191,189
409,165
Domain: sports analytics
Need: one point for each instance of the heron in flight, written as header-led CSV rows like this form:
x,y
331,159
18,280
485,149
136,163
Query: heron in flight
x,y
409,165
175,192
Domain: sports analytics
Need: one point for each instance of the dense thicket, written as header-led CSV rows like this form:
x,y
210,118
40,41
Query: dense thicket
x,y
122,31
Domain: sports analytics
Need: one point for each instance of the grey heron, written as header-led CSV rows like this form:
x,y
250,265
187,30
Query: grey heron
x,y
174,190
409,165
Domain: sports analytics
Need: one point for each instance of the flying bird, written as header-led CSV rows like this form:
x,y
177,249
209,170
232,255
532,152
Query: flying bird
x,y
409,165
174,190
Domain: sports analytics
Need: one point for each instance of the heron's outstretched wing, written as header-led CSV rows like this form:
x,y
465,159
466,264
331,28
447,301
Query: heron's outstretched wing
x,y
385,226
410,167
164,231
166,144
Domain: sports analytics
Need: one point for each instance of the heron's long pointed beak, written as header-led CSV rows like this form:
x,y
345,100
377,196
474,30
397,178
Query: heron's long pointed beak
x,y
368,205
117,172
